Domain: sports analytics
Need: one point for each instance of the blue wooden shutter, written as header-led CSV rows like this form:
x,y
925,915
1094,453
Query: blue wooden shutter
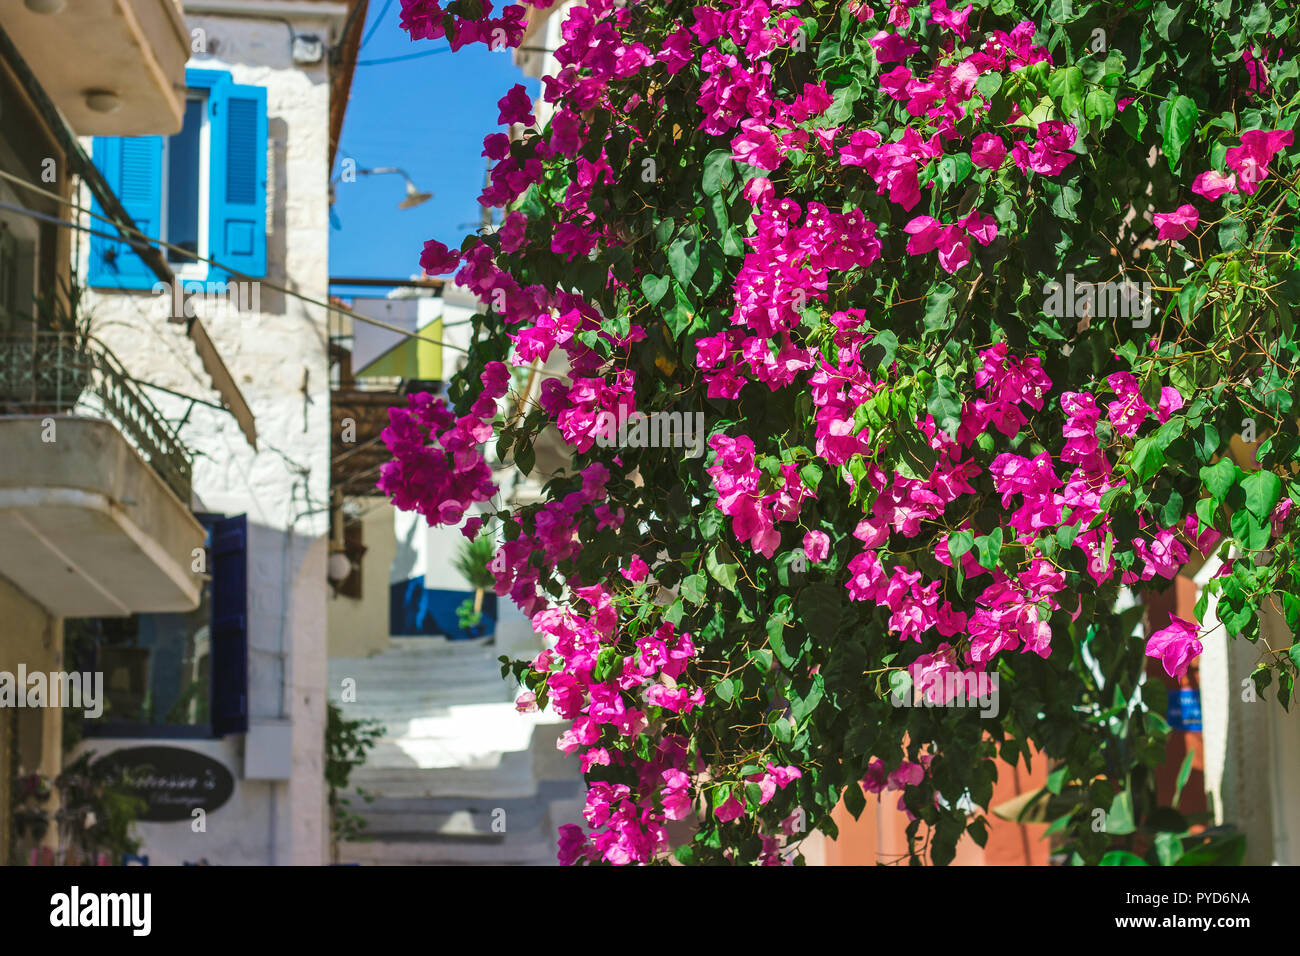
x,y
237,208
132,166
229,633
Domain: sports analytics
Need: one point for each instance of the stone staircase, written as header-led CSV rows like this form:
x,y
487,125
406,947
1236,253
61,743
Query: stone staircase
x,y
459,777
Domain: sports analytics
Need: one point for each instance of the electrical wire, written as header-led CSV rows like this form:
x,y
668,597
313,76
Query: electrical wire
x,y
405,56
138,236
374,27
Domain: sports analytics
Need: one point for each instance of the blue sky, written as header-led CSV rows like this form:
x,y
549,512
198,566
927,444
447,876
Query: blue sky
x,y
427,116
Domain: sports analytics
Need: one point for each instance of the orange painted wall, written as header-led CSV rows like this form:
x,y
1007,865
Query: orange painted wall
x,y
880,834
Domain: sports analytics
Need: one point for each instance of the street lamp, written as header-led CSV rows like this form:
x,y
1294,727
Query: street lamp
x,y
413,195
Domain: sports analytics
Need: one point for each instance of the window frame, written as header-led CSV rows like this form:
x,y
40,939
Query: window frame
x,y
198,270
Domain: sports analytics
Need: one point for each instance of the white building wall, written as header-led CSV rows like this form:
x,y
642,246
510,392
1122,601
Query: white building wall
x,y
278,357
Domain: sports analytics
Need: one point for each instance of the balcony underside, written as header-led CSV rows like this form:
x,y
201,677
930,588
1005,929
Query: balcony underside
x,y
87,528
135,49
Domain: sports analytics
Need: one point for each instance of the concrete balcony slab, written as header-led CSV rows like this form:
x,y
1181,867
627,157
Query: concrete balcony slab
x,y
87,528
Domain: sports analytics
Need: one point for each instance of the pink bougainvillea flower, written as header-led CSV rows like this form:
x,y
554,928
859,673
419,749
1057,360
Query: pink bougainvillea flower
x,y
1281,512
571,844
1250,160
906,775
979,227
896,82
1212,185
1205,540
676,795
1177,224
636,570
437,259
1171,400
1051,153
756,146
512,231
988,151
874,781
955,21
1129,409
892,46
1175,646
758,190
496,146
730,810
516,107
816,545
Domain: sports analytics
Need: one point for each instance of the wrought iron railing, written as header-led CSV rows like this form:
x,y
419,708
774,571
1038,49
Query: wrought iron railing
x,y
68,373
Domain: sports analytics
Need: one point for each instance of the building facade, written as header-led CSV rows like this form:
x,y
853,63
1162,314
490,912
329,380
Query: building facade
x,y
239,196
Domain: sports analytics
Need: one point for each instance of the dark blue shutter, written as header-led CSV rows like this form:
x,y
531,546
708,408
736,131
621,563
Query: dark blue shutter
x,y
237,208
132,166
228,550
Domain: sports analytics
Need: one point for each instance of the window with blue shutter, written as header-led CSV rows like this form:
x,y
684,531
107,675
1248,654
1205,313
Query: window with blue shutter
x,y
132,165
203,189
228,551
238,204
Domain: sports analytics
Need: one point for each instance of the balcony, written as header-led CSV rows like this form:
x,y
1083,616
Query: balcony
x,y
112,67
94,484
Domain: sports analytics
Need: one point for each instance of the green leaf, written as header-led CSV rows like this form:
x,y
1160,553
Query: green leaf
x,y
936,307
1066,88
1180,121
1099,107
1169,848
811,473
1119,820
1134,120
1233,234
841,108
1262,489
1219,478
684,257
1056,779
693,588
989,83
944,403
654,288
719,171
609,663
1147,458
1184,773
959,543
725,689
525,455
855,801
1122,858
987,549
953,168
776,627
721,570
779,724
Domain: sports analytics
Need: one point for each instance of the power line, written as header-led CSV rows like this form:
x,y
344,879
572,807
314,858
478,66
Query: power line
x,y
375,26
138,236
405,56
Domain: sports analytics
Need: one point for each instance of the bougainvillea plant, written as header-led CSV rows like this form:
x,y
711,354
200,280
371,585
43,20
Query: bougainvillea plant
x,y
973,302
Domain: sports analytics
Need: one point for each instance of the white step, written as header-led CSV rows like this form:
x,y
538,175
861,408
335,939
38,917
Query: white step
x,y
443,853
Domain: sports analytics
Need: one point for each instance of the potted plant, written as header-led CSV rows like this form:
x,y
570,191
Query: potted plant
x,y
472,562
